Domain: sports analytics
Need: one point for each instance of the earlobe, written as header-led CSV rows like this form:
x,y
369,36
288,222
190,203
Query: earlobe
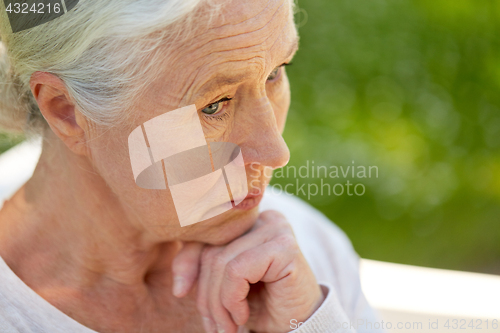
x,y
59,110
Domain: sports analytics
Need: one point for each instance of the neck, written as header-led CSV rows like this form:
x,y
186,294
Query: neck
x,y
69,225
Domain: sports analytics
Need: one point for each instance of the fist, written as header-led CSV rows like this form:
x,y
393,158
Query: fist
x,y
260,280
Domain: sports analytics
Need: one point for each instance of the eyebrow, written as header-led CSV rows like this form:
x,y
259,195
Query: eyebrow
x,y
223,80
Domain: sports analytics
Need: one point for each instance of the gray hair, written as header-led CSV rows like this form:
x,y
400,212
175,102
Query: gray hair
x,y
103,50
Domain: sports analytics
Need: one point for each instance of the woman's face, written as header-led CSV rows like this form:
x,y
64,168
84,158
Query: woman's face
x,y
237,60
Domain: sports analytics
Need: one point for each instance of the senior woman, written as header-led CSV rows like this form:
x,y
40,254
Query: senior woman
x,y
84,249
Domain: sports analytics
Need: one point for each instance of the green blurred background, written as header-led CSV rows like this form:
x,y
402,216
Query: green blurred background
x,y
412,87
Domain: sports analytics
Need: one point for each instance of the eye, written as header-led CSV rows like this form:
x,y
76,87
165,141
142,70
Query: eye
x,y
274,74
212,108
215,107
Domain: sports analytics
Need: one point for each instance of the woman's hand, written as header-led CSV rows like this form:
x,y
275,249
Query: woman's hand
x,y
260,280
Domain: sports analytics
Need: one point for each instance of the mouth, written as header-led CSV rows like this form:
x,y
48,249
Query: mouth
x,y
251,201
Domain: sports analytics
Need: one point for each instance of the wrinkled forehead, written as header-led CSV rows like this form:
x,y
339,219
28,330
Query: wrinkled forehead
x,y
239,11
261,30
252,23
243,41
237,24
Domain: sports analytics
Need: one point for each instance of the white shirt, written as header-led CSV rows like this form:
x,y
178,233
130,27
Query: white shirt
x,y
326,248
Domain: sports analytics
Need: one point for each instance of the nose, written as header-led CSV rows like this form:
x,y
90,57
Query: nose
x,y
260,137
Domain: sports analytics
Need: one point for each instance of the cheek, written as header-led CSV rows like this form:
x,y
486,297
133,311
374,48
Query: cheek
x,y
110,157
279,96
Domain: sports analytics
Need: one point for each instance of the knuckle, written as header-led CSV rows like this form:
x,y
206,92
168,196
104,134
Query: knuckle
x,y
227,301
219,260
285,226
271,215
287,241
233,269
274,220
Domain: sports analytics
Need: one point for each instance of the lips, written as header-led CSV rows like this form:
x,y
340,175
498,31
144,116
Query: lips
x,y
251,201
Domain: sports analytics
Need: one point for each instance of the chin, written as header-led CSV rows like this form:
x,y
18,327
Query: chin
x,y
224,228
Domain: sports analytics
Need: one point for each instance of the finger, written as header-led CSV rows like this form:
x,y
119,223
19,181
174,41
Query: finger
x,y
269,225
273,226
219,313
185,268
204,286
271,262
272,216
214,273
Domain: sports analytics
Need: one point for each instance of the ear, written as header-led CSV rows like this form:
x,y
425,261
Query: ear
x,y
59,110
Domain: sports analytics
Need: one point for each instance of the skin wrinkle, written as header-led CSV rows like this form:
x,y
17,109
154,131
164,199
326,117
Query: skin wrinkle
x,y
293,48
220,81
229,30
260,13
231,35
238,37
117,241
244,34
